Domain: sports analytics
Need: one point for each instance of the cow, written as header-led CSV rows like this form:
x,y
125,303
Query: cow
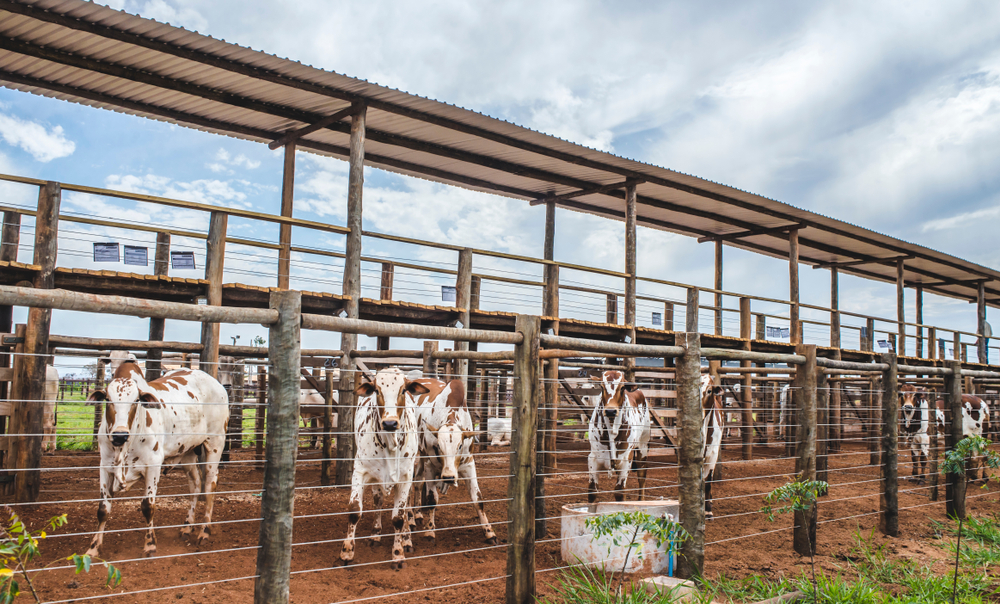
x,y
711,432
914,424
385,432
975,422
619,434
50,440
784,398
179,418
312,412
446,437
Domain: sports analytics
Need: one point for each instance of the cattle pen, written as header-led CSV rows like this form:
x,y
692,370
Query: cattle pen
x,y
524,334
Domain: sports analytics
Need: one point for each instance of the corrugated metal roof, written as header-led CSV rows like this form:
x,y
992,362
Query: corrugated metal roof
x,y
94,55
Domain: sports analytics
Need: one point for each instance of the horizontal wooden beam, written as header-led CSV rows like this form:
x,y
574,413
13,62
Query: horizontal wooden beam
x,y
867,260
294,135
587,191
751,233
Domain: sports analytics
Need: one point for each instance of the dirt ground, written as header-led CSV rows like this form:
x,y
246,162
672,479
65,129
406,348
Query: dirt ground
x,y
741,541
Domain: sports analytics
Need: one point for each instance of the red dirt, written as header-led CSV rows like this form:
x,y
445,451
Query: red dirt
x,y
320,577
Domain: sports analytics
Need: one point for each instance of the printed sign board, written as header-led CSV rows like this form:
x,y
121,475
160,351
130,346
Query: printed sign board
x,y
136,255
657,318
448,293
182,260
106,252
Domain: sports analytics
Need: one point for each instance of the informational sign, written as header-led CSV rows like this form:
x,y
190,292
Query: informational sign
x,y
884,344
657,318
106,252
136,255
182,260
448,293
778,332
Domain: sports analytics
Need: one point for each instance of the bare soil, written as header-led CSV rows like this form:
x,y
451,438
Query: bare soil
x,y
741,541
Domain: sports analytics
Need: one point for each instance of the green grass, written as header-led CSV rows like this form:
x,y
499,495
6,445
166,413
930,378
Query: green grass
x,y
980,542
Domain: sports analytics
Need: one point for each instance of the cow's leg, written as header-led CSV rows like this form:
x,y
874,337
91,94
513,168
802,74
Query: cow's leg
x,y
355,507
622,478
592,483
148,507
418,494
640,466
400,491
468,472
708,493
193,471
925,452
213,453
430,504
103,510
377,509
315,432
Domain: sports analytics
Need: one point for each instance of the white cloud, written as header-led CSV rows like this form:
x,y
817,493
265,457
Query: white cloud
x,y
42,143
224,162
209,191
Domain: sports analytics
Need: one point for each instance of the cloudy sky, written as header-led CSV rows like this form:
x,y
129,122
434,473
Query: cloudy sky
x,y
886,115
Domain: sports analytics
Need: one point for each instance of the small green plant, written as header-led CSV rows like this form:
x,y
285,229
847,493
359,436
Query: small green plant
x,y
800,495
19,546
258,341
617,525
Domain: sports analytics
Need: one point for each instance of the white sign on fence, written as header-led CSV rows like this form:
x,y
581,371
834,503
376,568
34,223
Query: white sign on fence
x,y
182,260
106,252
136,255
448,293
657,318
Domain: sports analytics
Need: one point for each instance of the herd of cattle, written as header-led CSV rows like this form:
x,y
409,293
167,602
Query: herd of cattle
x,y
414,441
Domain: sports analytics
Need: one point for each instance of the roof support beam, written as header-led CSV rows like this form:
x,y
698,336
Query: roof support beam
x,y
751,233
901,307
294,135
793,287
868,260
588,191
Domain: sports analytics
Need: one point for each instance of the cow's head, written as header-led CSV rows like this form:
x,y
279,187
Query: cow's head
x,y
711,395
613,389
390,389
910,400
450,438
124,394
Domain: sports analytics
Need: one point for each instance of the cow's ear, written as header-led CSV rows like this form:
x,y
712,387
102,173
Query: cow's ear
x,y
631,387
594,378
717,391
97,396
365,389
148,399
416,388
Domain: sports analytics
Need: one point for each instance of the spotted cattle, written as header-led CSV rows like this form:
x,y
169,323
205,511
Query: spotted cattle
x,y
711,432
619,434
975,421
385,431
179,419
914,423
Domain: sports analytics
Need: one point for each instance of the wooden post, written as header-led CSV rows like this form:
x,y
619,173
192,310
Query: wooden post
x,y
746,394
98,407
30,410
935,437
900,308
612,309
430,347
9,242
760,323
690,459
981,350
161,268
550,308
285,230
463,300
260,414
957,344
215,257
17,388
385,293
868,342
920,320
274,556
932,344
889,518
836,428
477,288
793,286
630,270
718,286
873,433
834,308
955,489
236,405
892,341
324,475
668,316
521,493
822,426
691,312
352,288
804,395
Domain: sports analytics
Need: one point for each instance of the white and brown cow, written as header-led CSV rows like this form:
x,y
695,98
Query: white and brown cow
x,y
914,424
975,422
446,438
385,431
179,418
619,434
711,432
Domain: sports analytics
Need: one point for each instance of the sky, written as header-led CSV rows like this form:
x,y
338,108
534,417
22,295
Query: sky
x,y
881,114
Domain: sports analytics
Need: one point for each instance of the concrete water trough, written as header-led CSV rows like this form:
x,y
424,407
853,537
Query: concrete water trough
x,y
579,546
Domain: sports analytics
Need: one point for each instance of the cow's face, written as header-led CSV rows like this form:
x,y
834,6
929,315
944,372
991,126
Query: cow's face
x,y
613,389
909,400
390,389
449,446
711,395
122,399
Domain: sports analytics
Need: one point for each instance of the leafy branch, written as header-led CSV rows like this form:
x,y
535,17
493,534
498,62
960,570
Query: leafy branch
x,y
800,495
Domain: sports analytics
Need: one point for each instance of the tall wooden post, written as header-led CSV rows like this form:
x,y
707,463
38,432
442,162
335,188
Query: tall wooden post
x,y
98,408
760,327
822,425
793,287
955,489
30,410
746,394
430,365
718,287
324,477
521,494
691,312
9,242
804,395
873,433
260,414
834,308
550,309
932,344
215,256
236,405
920,320
352,289
690,458
274,556
889,508
935,439
385,294
463,300
668,316
956,342
869,339
834,429
981,349
612,309
630,270
900,308
285,230
161,268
